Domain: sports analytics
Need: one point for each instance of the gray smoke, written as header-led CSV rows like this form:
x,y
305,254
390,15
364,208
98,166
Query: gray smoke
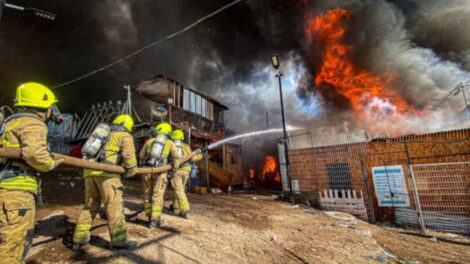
x,y
233,65
424,43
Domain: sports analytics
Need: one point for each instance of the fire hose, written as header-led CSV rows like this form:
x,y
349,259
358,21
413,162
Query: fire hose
x,y
15,153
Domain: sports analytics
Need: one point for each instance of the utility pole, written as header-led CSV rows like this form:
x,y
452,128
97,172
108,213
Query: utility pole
x,y
267,119
127,109
275,62
458,88
462,87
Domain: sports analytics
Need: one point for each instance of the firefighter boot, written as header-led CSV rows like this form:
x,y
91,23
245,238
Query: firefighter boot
x,y
156,223
130,245
175,207
186,215
78,246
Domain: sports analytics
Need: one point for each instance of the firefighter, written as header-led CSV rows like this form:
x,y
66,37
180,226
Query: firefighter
x,y
19,179
106,188
155,153
180,176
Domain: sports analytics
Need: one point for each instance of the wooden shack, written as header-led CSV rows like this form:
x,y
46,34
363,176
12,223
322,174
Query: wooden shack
x,y
162,99
200,117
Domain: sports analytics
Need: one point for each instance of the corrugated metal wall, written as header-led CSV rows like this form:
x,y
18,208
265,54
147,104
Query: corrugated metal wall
x,y
59,135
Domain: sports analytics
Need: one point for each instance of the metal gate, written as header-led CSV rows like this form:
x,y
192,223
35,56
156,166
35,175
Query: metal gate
x,y
443,195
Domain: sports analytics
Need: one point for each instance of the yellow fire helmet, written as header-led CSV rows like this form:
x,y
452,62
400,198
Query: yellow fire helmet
x,y
177,135
163,128
125,120
36,95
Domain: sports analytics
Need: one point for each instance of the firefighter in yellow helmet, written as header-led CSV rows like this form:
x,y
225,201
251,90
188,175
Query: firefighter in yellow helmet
x,y
180,176
19,179
106,188
155,153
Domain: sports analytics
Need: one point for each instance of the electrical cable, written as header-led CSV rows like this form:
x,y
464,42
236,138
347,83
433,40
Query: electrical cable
x,y
73,32
172,35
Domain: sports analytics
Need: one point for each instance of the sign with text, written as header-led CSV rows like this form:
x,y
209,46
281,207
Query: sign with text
x,y
390,186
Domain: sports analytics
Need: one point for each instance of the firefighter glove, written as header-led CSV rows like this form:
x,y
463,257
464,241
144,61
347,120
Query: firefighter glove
x,y
131,172
57,163
200,149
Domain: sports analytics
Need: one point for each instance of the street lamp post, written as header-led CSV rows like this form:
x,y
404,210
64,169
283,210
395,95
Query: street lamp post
x,y
275,62
2,3
31,10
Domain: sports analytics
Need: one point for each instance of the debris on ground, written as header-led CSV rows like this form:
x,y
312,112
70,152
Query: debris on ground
x,y
242,228
344,217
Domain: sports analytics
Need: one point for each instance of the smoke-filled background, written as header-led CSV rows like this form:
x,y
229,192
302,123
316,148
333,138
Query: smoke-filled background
x,y
420,49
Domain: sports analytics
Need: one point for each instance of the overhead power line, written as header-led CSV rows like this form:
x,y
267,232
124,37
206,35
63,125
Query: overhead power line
x,y
174,34
73,32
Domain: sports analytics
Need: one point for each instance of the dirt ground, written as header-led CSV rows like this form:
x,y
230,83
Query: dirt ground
x,y
236,228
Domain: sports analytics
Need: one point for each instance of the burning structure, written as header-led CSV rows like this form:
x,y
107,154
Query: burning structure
x,y
201,117
163,99
370,97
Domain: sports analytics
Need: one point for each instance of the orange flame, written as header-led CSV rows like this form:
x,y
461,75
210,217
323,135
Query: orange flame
x,y
270,165
369,95
251,174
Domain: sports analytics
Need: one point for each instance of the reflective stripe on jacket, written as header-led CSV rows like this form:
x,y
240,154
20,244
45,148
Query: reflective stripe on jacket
x,y
168,150
29,134
186,150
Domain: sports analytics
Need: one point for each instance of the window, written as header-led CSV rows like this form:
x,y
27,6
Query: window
x,y
198,104
339,176
186,99
195,103
192,102
204,107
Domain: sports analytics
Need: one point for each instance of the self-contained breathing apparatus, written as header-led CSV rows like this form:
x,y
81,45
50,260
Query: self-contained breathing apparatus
x,y
181,154
155,156
93,150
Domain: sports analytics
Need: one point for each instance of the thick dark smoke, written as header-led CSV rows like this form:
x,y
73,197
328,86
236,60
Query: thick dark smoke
x,y
426,43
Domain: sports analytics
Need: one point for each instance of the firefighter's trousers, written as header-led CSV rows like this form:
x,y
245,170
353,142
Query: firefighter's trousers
x,y
108,191
179,180
16,225
154,186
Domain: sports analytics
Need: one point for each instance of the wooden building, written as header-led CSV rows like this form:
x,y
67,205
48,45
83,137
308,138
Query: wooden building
x,y
163,99
200,117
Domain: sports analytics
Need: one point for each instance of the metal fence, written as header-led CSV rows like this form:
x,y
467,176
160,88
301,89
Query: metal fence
x,y
59,135
416,180
443,190
331,165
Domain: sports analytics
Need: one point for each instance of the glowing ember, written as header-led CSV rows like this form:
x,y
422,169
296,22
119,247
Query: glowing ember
x,y
270,165
370,96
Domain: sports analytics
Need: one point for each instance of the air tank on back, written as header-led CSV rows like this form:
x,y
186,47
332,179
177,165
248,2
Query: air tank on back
x,y
95,142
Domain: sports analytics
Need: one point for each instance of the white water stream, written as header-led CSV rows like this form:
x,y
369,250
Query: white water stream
x,y
250,134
